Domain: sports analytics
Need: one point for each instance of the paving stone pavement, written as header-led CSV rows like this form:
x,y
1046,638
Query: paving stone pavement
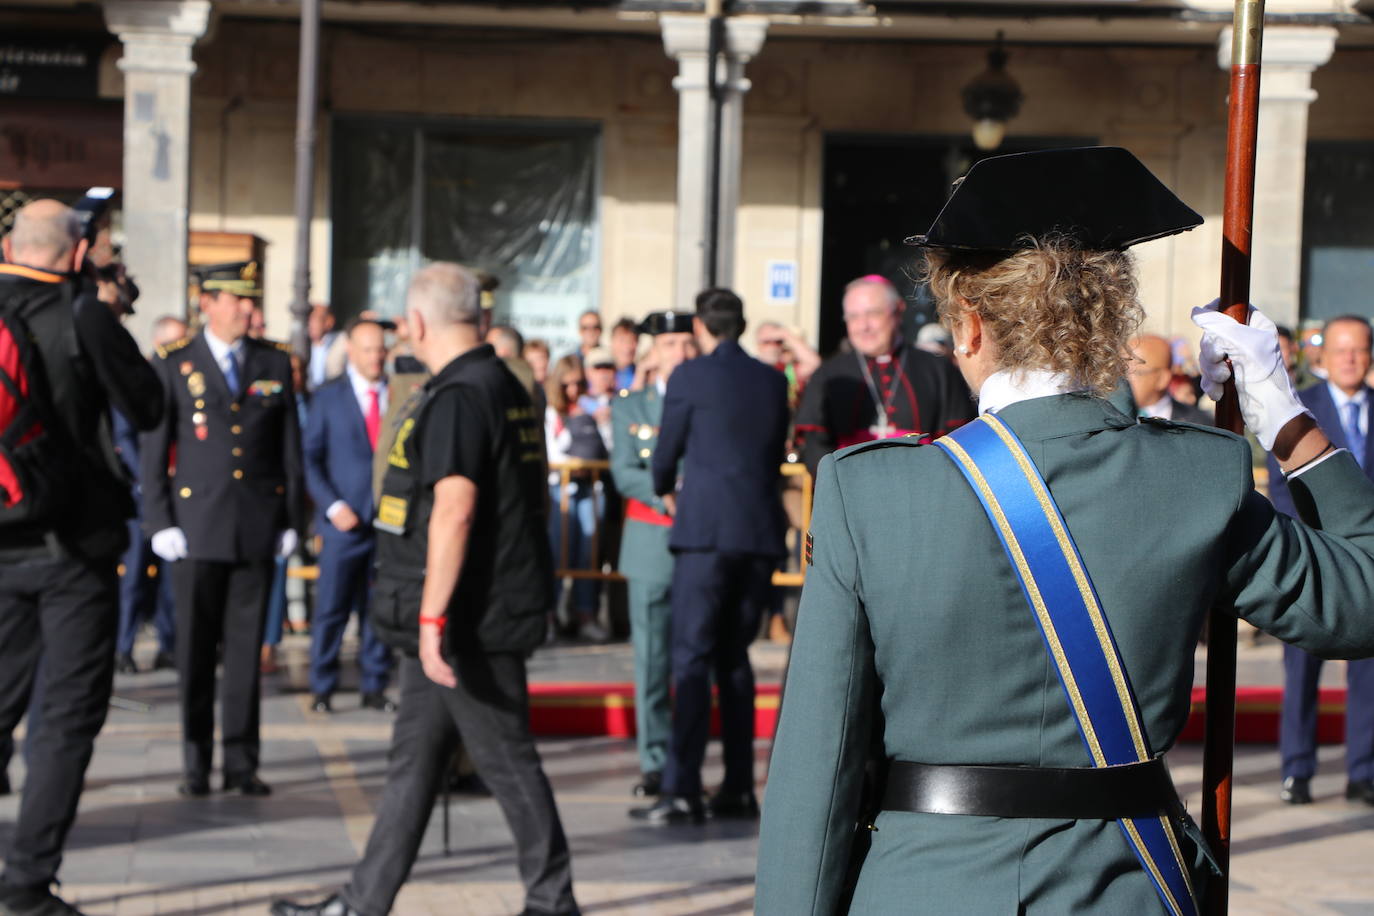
x,y
138,848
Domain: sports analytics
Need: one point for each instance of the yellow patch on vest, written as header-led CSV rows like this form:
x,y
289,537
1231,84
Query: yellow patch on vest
x,y
397,456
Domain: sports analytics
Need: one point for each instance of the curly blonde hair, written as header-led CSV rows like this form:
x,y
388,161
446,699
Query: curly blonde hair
x,y
1048,306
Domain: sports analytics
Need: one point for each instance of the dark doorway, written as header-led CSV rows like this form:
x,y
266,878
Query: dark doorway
x,y
878,190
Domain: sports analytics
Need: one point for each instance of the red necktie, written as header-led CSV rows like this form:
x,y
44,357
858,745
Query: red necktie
x,y
374,417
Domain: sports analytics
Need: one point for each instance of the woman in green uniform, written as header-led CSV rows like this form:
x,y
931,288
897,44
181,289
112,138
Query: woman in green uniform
x,y
924,640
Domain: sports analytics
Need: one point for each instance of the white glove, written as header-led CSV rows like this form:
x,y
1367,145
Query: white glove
x,y
286,542
170,544
1267,398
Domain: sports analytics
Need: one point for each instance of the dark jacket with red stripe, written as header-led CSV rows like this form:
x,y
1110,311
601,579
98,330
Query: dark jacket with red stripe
x,y
104,369
927,395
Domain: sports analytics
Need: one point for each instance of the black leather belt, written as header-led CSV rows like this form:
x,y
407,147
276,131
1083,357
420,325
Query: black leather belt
x,y
1105,793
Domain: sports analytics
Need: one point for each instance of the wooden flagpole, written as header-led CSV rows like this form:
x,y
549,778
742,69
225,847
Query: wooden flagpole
x,y
1237,221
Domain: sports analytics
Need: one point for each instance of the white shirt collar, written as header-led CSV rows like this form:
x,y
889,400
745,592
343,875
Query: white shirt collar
x,y
221,350
1006,387
1163,409
362,386
662,385
1341,398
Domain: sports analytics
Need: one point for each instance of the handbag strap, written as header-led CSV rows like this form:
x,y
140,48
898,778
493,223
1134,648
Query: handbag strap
x,y
1075,630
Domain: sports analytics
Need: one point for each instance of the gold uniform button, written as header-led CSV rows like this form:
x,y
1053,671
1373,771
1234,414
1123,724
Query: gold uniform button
x,y
645,452
234,407
238,474
236,429
280,489
236,452
185,492
200,405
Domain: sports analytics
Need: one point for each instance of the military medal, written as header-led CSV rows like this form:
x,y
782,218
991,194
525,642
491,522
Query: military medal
x,y
198,418
646,431
202,432
186,367
195,383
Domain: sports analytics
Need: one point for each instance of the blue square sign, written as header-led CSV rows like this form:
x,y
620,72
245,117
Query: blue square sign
x,y
781,286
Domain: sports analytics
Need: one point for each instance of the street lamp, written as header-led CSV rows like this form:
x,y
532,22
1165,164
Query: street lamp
x,y
992,99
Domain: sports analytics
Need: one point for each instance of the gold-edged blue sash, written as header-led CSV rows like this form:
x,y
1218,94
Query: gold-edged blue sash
x,y
1076,632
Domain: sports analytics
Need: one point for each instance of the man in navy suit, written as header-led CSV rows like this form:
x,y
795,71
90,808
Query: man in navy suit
x,y
725,420
340,438
1342,406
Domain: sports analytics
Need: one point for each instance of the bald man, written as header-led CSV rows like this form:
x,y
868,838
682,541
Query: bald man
x,y
59,590
1152,369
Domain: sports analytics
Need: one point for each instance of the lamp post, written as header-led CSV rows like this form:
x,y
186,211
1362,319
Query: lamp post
x,y
991,99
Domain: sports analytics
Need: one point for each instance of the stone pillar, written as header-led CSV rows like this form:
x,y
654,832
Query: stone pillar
x,y
686,39
1289,56
157,36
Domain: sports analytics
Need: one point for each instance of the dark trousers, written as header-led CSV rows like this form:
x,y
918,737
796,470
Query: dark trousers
x,y
64,612
220,605
142,596
718,600
1298,721
345,579
490,710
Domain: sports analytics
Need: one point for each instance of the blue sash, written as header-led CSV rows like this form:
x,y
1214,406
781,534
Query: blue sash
x,y
1076,632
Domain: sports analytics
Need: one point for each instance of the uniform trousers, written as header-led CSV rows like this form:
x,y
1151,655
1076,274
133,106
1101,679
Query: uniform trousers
x,y
1298,721
651,634
220,605
345,579
142,596
490,710
64,611
718,601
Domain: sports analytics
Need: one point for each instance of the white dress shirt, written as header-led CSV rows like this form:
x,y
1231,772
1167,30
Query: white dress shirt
x,y
1342,399
223,352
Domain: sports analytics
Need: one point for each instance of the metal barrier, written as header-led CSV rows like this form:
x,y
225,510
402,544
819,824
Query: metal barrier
x,y
592,472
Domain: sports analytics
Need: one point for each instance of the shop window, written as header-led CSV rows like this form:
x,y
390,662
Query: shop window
x,y
1338,230
518,202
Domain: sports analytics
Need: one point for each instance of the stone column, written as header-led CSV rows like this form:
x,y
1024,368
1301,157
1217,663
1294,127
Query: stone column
x,y
1289,56
686,39
158,36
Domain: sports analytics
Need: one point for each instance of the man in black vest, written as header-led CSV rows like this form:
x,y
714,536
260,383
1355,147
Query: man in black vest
x,y
59,592
461,548
232,502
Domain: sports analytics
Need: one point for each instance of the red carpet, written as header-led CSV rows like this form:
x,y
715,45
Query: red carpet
x,y
579,710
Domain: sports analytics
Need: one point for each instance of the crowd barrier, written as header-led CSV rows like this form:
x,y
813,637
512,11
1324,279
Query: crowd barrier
x,y
796,496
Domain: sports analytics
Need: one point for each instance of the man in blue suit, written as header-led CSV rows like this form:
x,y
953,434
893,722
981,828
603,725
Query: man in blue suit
x,y
725,418
340,438
1342,406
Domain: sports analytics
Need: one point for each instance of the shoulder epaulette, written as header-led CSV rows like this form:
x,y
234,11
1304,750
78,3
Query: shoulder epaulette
x,y
282,345
1184,424
172,347
909,441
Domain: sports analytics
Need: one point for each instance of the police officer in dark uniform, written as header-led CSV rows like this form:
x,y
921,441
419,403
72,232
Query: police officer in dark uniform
x,y
462,554
725,418
59,592
222,496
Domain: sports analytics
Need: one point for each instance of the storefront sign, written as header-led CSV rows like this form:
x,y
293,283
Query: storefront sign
x,y
782,283
38,66
61,145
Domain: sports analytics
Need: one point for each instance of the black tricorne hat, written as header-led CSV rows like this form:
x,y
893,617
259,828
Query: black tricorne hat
x,y
666,323
1101,197
242,278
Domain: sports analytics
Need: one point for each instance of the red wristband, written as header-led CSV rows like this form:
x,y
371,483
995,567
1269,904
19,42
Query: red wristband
x,y
440,622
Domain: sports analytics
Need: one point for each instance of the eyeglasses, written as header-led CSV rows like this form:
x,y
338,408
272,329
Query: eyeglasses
x,y
591,327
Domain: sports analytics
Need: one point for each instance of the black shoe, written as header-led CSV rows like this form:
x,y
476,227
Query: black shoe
x,y
1361,790
195,786
247,784
1296,791
33,901
378,701
671,809
125,664
650,784
531,911
164,661
742,805
332,905
323,702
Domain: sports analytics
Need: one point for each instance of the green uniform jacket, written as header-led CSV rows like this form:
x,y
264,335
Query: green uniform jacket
x,y
635,417
912,604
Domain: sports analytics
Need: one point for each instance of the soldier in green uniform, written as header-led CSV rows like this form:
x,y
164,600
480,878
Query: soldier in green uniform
x,y
645,559
917,637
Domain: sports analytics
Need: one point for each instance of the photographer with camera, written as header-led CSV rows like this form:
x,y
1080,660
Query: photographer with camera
x,y
65,360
